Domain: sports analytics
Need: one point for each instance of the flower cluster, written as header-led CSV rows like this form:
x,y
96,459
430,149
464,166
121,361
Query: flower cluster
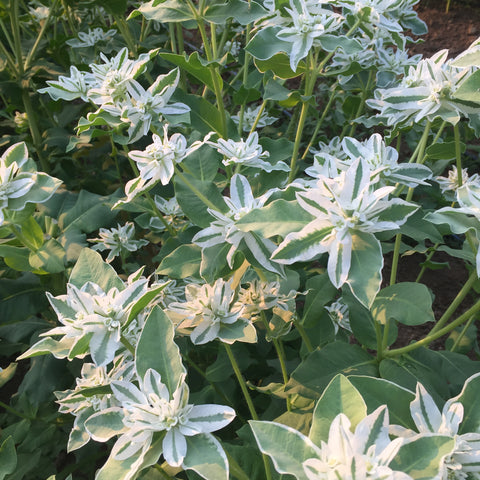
x,y
112,85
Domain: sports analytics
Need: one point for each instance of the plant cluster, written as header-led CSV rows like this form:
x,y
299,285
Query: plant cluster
x,y
196,203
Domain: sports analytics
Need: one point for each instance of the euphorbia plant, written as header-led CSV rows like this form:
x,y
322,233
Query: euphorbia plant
x,y
246,330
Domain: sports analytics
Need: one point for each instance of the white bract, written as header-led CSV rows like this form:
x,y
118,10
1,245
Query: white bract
x,y
213,312
20,183
149,408
464,461
119,241
307,27
339,314
224,230
426,93
91,38
250,115
248,153
342,206
363,454
157,162
92,319
80,403
260,296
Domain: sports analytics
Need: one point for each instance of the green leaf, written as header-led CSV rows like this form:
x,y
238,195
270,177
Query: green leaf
x,y
278,218
32,231
321,366
287,448
467,59
204,117
203,163
331,42
320,292
364,276
458,222
214,262
378,391
90,267
419,366
409,303
469,399
156,349
279,64
243,12
8,457
80,214
16,258
205,456
420,458
49,257
362,322
195,66
43,189
265,44
183,262
105,424
443,151
340,396
168,11
468,90
191,205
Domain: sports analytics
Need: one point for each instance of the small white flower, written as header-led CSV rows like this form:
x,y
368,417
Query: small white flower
x,y
223,228
463,461
247,153
260,296
450,183
118,240
150,408
359,455
212,312
157,162
307,27
339,314
91,38
250,115
91,313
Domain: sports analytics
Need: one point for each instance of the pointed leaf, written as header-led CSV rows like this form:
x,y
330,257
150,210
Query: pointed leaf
x,y
340,396
157,350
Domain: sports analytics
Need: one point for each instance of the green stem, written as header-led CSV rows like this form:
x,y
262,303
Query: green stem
x,y
305,338
192,364
241,381
280,354
15,24
456,302
126,33
462,334
33,51
257,118
173,43
433,336
248,399
128,345
378,335
8,408
419,151
321,119
458,154
363,99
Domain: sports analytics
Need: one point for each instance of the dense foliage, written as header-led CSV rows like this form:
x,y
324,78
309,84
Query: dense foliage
x,y
196,204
